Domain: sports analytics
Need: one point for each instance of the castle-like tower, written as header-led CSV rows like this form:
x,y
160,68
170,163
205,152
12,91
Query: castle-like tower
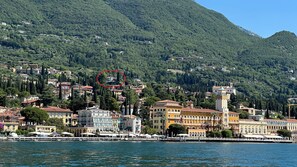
x,y
222,105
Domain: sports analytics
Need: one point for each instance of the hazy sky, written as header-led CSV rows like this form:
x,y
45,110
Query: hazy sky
x,y
263,17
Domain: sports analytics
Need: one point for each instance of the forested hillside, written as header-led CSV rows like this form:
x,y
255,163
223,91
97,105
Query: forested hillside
x,y
146,38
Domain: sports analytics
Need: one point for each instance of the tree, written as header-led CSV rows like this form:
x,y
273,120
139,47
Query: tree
x,y
151,101
24,94
144,114
60,92
48,96
149,130
284,133
147,92
58,122
34,115
175,129
267,114
114,106
243,115
77,104
227,133
2,97
213,134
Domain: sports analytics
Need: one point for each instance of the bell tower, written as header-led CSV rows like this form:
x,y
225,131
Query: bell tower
x,y
222,105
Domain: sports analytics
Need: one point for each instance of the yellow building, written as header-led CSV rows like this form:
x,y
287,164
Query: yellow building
x,y
55,112
198,121
194,118
164,113
234,122
9,126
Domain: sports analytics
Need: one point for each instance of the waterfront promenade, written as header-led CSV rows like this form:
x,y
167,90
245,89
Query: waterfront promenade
x,y
173,139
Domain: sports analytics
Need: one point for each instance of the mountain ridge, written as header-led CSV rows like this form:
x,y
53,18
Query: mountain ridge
x,y
145,38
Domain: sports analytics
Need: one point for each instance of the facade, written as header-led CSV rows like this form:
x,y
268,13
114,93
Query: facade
x,y
193,118
96,119
251,111
65,88
9,121
77,131
229,89
9,126
292,125
252,127
222,106
196,133
116,121
273,125
234,122
45,129
164,113
131,123
56,112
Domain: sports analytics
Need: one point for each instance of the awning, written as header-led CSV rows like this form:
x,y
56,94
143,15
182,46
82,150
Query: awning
x,y
183,135
273,137
88,134
67,133
253,136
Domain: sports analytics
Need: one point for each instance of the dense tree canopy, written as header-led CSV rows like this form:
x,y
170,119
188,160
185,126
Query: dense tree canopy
x,y
175,129
34,115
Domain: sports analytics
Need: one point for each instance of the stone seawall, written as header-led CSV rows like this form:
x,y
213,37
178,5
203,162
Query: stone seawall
x,y
175,139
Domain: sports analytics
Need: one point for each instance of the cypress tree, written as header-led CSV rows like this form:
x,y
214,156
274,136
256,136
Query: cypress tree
x,y
60,92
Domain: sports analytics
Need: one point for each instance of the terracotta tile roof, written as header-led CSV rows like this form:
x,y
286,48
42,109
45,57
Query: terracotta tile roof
x,y
292,120
230,112
248,120
29,101
167,103
87,87
275,120
199,110
56,109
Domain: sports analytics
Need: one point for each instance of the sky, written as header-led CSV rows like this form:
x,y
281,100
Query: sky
x,y
263,17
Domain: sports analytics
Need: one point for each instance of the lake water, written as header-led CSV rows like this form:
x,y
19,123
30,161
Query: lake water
x,y
146,154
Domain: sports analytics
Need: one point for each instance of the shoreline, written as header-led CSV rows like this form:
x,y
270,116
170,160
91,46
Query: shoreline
x,y
176,139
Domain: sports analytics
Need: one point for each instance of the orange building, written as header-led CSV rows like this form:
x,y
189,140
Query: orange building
x,y
164,113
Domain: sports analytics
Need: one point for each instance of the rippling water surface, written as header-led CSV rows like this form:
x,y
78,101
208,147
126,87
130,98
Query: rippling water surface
x,y
146,154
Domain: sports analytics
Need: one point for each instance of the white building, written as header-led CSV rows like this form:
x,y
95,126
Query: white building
x,y
252,127
97,119
131,123
229,89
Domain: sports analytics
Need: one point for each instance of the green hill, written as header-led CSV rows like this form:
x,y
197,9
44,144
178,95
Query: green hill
x,y
145,38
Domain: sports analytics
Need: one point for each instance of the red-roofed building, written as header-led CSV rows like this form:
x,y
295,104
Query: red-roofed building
x,y
56,112
197,121
32,103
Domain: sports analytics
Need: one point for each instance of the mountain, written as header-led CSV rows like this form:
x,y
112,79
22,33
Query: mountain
x,y
249,32
145,38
